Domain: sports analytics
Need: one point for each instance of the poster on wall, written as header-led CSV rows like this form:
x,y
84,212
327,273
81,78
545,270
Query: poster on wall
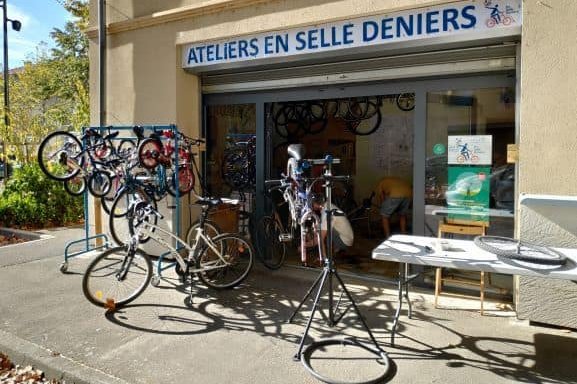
x,y
468,193
470,150
390,146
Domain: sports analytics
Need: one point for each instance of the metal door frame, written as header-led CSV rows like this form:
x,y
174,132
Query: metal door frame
x,y
419,87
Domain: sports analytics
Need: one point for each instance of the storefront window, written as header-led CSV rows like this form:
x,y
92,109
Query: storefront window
x,y
372,136
231,156
467,177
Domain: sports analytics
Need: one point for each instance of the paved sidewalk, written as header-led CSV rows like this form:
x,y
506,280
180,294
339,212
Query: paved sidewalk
x,y
240,336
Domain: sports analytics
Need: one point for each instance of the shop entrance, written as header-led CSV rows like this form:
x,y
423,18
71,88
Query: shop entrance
x,y
401,129
372,136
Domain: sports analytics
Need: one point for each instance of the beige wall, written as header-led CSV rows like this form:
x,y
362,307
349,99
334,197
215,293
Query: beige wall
x,y
548,146
147,86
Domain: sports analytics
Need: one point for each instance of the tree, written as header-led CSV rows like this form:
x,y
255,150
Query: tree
x,y
51,90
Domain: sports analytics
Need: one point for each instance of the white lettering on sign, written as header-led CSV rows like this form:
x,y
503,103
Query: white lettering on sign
x,y
468,17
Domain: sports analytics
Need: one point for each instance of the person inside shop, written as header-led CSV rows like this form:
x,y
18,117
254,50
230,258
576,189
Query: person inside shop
x,y
395,195
342,231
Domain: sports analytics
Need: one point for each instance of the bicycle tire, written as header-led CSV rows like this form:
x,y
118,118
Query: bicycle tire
x,y
52,153
234,250
118,224
126,148
186,181
520,250
270,250
75,186
99,183
365,127
321,345
211,230
149,151
103,271
406,101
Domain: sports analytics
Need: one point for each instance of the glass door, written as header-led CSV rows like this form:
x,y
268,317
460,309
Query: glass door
x,y
467,177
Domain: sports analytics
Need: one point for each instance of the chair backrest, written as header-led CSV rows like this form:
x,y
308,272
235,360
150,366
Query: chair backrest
x,y
463,227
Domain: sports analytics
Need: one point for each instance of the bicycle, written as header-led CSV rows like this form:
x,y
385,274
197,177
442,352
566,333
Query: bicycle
x,y
62,157
273,233
119,275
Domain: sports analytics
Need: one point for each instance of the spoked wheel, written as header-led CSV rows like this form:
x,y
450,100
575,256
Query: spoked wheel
x,y
117,219
520,250
270,249
99,183
229,268
75,186
59,155
367,365
149,151
186,181
116,277
211,230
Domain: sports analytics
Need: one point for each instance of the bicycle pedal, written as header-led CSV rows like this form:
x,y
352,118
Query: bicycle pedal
x,y
285,237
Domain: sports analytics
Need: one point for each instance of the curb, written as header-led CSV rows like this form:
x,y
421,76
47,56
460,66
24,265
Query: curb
x,y
54,365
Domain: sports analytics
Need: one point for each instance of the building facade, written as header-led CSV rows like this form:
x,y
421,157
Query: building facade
x,y
472,102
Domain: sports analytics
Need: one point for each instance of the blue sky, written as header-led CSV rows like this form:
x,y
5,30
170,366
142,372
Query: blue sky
x,y
38,18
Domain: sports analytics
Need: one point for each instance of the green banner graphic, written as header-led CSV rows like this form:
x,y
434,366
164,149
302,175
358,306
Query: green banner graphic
x,y
468,193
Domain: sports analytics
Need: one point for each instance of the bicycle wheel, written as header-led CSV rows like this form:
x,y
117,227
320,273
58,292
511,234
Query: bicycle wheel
x,y
148,152
75,186
211,229
126,148
118,224
116,277
520,250
269,247
60,155
185,182
365,127
230,266
99,183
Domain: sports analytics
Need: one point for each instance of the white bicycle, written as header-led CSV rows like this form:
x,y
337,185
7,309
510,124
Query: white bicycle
x,y
121,274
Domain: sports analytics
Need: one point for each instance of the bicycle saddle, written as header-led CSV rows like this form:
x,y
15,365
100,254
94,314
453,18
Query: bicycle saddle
x,y
209,202
296,151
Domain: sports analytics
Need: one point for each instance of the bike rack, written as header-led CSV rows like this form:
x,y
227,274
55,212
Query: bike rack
x,y
92,243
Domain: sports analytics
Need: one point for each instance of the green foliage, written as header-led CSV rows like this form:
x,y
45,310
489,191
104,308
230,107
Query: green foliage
x,y
51,91
31,199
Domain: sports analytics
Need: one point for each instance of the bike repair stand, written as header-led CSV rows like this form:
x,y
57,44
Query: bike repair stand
x,y
329,271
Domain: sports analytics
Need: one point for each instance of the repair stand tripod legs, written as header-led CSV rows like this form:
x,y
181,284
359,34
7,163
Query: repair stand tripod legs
x,y
327,273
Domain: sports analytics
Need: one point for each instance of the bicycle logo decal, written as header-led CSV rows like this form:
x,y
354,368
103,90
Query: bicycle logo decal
x,y
499,14
469,150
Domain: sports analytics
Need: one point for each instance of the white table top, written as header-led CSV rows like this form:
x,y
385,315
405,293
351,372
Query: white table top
x,y
464,254
439,210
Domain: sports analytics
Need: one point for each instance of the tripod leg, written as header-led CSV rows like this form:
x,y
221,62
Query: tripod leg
x,y
297,356
321,275
358,311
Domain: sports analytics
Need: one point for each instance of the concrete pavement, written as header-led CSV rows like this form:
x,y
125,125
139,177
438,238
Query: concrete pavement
x,y
240,336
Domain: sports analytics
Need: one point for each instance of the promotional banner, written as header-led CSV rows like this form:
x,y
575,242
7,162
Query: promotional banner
x,y
468,193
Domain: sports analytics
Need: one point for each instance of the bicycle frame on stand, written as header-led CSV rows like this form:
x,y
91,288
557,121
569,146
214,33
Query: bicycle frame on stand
x,y
101,240
326,277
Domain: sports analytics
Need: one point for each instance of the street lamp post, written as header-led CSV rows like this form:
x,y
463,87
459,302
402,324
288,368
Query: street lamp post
x,y
16,25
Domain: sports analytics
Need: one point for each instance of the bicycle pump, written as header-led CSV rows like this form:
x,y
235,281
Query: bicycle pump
x,y
329,271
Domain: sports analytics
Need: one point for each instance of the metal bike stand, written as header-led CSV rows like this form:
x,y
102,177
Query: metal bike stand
x,y
87,238
326,276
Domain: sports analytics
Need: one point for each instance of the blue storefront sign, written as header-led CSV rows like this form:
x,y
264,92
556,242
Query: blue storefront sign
x,y
467,19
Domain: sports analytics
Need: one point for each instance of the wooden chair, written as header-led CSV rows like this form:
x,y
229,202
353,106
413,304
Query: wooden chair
x,y
466,228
